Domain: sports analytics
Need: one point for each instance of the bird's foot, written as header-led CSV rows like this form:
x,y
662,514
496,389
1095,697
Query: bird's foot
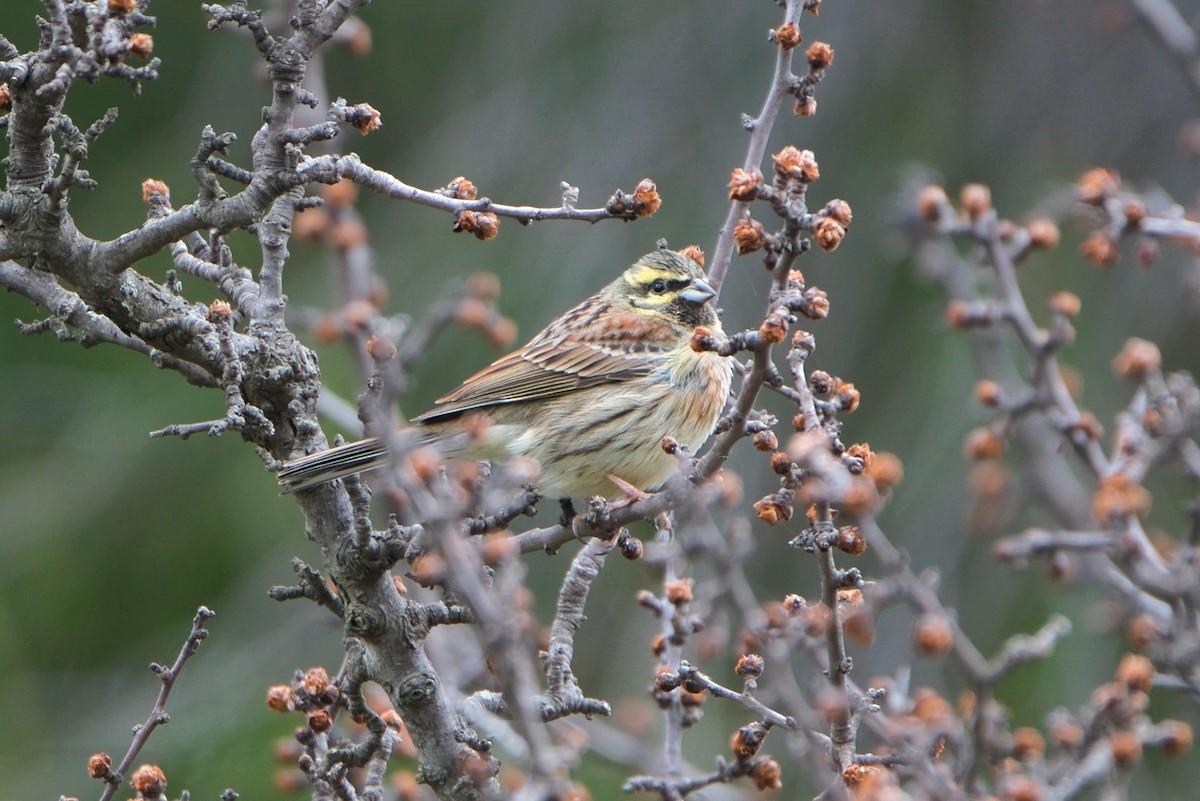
x,y
568,512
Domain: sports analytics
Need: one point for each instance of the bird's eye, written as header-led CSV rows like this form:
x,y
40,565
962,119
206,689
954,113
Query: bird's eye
x,y
659,286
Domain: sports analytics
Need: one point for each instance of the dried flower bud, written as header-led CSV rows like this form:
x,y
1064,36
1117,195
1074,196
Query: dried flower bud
x,y
5,96
149,781
1143,631
749,236
141,45
679,591
1028,744
787,36
1136,672
646,199
750,665
484,225
632,548
805,107
1065,303
746,741
767,774
791,162
885,470
815,304
153,186
694,253
820,55
772,509
932,203
744,185
766,441
381,349
846,395
1126,748
461,188
1137,358
315,681
839,210
774,328
1097,184
988,393
1177,737
1100,249
320,721
983,443
850,540
1119,496
829,234
976,200
933,635
99,766
781,464
121,7
1043,233
280,698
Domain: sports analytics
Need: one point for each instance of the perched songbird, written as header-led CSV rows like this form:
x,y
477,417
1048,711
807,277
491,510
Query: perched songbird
x,y
589,398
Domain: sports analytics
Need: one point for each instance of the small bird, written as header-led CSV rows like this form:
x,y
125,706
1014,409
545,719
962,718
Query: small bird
x,y
589,398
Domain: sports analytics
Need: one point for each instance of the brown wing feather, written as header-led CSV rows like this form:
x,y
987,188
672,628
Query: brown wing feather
x,y
554,363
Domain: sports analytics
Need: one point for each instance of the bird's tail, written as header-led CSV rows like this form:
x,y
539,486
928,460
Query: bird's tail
x,y
311,471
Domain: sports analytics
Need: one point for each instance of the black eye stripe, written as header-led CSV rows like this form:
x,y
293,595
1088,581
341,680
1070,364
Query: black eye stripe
x,y
672,284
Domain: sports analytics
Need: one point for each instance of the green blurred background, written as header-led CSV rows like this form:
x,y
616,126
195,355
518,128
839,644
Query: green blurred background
x,y
109,540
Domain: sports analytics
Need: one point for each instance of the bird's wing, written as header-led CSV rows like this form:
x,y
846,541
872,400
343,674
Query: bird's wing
x,y
560,360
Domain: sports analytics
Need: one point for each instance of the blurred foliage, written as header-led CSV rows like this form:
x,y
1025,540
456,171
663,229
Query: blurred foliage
x,y
110,539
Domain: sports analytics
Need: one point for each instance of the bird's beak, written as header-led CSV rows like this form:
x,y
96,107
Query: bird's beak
x,y
698,293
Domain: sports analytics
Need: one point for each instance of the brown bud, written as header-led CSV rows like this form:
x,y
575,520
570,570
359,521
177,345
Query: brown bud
x,y
933,635
1143,631
1126,748
646,199
850,540
679,591
976,200
805,107
365,118
885,470
99,766
767,774
750,665
141,45
5,96
774,328
316,680
502,332
1067,735
461,188
1136,672
341,194
1028,744
149,781
932,203
787,36
483,285
381,349
839,210
280,698
153,186
820,55
320,721
1137,358
349,233
846,395
1097,184
1100,249
746,741
829,234
781,464
744,185
771,509
766,441
121,7
694,253
987,392
791,162
483,224
1117,496
1065,303
632,548
1043,233
1177,737
749,236
983,443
